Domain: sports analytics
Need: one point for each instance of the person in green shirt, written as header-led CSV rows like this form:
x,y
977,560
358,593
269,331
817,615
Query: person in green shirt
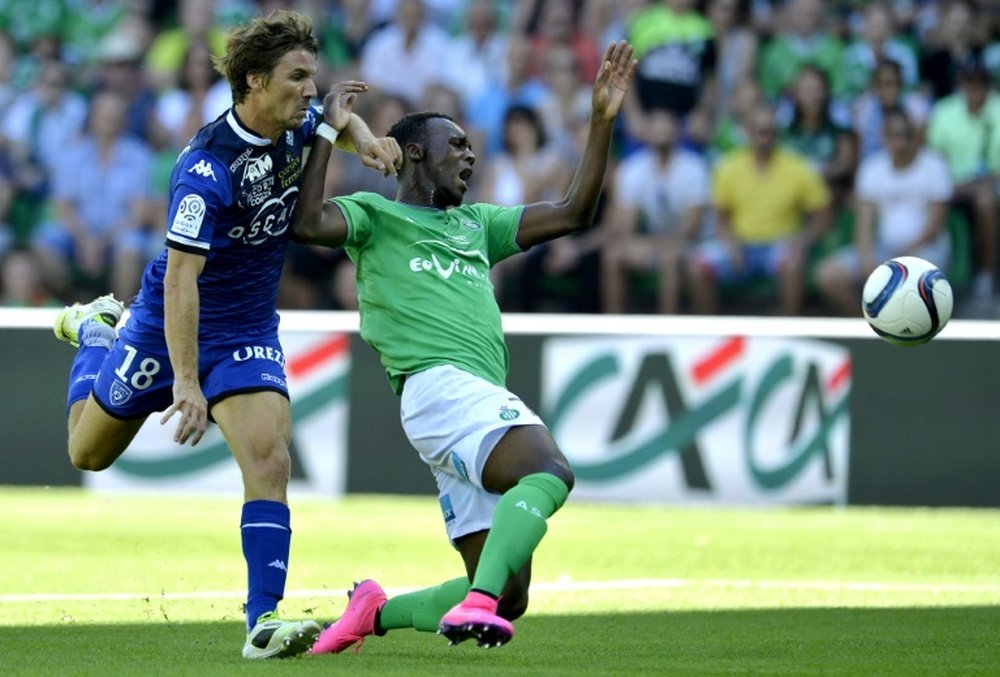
x,y
965,129
427,307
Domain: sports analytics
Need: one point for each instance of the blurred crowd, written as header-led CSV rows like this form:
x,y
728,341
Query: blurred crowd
x,y
770,154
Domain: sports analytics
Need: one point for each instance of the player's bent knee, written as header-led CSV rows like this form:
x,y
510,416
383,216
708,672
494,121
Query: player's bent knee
x,y
89,458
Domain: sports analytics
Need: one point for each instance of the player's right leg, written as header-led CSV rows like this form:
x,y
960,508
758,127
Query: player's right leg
x,y
96,438
257,427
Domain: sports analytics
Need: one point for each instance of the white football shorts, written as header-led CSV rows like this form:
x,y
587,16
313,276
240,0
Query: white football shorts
x,y
454,419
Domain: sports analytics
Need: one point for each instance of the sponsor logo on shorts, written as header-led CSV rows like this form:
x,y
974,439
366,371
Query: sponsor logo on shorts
x,y
446,509
258,353
120,393
508,414
273,379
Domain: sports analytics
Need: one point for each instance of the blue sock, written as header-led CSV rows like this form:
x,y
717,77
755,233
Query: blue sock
x,y
96,339
267,535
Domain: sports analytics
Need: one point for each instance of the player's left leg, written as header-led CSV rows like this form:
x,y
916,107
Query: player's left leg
x,y
257,427
527,467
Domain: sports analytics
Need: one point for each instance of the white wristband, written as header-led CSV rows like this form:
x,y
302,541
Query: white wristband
x,y
327,132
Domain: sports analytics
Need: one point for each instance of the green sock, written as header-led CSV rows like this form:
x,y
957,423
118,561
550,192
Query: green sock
x,y
518,527
423,609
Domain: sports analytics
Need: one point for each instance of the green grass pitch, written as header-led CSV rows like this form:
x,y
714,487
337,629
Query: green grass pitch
x,y
113,584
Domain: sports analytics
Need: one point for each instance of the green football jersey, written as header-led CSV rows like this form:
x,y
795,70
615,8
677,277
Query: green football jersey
x,y
424,288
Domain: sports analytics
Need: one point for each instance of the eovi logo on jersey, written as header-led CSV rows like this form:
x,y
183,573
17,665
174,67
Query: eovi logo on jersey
x,y
693,420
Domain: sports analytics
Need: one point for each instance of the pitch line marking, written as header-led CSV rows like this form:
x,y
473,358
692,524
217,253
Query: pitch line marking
x,y
563,586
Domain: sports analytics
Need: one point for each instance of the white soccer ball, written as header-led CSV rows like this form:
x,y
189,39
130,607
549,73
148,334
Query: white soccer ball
x,y
907,300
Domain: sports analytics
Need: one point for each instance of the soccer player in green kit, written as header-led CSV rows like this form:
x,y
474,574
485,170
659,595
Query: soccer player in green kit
x,y
427,307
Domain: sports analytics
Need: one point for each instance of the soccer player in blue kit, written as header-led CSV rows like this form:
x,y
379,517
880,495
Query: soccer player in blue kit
x,y
202,335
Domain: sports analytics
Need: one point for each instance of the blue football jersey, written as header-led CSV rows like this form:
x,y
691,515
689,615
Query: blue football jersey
x,y
232,195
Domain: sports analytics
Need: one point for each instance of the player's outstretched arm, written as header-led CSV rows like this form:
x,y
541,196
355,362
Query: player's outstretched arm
x,y
316,221
545,221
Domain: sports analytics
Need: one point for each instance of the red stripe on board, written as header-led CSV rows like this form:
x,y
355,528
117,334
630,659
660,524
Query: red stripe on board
x,y
838,377
306,362
717,361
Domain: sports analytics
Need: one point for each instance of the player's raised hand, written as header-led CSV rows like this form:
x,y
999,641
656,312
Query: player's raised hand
x,y
611,85
339,102
382,154
190,402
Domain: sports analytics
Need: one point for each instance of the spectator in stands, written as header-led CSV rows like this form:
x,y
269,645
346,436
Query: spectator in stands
x,y
563,275
38,125
41,122
100,193
955,46
346,27
407,55
731,129
655,217
803,40
902,205
676,52
196,24
121,72
485,112
965,129
201,95
569,94
816,133
736,48
21,281
772,206
608,20
528,170
480,52
879,40
886,92
558,26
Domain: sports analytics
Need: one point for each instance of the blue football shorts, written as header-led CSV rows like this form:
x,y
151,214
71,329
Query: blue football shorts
x,y
136,378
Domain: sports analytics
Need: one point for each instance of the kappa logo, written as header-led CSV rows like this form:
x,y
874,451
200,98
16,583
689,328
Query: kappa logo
x,y
203,168
278,564
120,393
471,225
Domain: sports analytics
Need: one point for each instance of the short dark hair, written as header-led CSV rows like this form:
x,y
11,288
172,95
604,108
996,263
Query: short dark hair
x,y
884,63
520,112
256,46
411,127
